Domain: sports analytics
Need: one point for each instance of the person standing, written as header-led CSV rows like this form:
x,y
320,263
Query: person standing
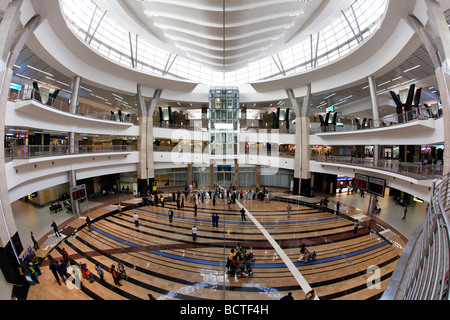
x,y
65,256
88,223
55,229
54,269
214,200
216,220
62,269
123,273
338,205
194,233
136,219
355,227
33,272
242,211
99,270
115,275
35,244
170,216
195,210
288,209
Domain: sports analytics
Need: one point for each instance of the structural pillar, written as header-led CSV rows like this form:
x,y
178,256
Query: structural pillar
x,y
190,174
211,175
146,171
302,174
258,176
73,109
12,39
437,43
236,172
376,123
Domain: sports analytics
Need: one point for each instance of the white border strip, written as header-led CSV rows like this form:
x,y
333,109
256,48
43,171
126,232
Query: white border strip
x,y
297,275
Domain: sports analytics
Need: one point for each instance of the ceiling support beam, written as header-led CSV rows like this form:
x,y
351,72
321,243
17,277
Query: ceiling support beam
x,y
351,27
279,64
169,64
96,28
436,40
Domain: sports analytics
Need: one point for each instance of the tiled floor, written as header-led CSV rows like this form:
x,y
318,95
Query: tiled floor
x,y
162,259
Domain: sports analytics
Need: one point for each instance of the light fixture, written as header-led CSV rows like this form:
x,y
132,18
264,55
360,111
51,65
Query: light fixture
x,y
415,67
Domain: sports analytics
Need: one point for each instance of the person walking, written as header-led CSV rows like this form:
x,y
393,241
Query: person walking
x,y
194,233
288,209
115,275
119,208
35,243
195,210
55,229
54,269
405,212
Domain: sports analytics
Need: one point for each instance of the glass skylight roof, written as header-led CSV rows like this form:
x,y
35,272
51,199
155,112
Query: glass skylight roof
x,y
108,38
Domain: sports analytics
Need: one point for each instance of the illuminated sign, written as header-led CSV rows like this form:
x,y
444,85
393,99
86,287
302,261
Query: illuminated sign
x,y
15,86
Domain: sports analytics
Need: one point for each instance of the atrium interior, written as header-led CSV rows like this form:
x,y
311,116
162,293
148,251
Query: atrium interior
x,y
200,146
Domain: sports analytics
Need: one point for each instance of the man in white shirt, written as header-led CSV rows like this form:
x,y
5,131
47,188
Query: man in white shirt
x,y
194,233
136,219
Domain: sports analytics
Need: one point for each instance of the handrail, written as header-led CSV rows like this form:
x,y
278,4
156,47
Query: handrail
x,y
36,151
82,109
418,113
425,270
415,170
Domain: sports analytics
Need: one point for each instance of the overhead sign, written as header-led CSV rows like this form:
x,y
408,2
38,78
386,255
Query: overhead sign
x,y
78,192
361,181
376,186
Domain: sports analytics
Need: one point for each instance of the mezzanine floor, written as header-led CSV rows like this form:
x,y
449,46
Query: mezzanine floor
x,y
162,259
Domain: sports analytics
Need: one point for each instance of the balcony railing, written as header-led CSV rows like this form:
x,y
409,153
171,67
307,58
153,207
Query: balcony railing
x,y
27,152
420,113
422,272
415,170
82,109
242,130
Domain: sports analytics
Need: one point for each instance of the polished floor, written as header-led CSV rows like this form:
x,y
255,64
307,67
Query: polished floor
x,y
162,259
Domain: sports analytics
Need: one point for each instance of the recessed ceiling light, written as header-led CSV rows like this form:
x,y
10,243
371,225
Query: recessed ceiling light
x,y
415,67
31,67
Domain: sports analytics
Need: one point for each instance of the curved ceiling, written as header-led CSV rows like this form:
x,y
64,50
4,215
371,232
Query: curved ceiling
x,y
225,35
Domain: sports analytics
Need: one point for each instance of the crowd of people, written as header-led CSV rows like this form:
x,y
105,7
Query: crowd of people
x,y
239,262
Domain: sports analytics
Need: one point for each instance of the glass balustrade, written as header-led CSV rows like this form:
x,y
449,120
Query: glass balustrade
x,y
36,151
